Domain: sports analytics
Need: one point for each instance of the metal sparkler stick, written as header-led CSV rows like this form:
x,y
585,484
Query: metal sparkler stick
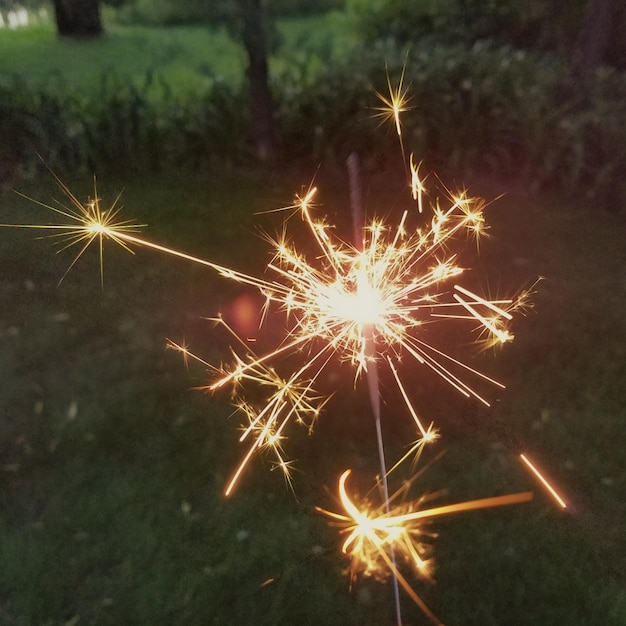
x,y
358,220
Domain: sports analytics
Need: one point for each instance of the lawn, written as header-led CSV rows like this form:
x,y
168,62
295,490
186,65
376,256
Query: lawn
x,y
113,463
187,59
113,466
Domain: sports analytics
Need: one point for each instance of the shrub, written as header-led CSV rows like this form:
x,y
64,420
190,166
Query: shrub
x,y
538,24
126,127
484,110
584,151
465,103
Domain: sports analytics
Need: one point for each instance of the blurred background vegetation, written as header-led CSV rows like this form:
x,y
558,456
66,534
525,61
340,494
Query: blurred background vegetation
x,y
529,90
112,471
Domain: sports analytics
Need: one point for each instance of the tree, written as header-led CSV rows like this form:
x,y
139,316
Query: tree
x,y
253,35
248,22
78,18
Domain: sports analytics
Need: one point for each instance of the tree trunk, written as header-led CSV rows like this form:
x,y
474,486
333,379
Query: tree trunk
x,y
594,38
262,110
78,18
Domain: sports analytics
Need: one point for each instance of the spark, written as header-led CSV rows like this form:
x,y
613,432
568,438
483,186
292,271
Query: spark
x,y
417,185
376,531
542,479
371,303
291,399
394,105
85,224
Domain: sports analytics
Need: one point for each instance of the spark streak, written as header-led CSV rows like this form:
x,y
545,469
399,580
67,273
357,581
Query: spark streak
x,y
395,104
550,489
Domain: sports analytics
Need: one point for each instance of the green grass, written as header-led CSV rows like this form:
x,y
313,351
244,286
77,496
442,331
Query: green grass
x,y
112,467
313,41
186,58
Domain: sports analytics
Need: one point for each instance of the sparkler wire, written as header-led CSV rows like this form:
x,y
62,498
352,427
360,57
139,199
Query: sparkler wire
x,y
358,221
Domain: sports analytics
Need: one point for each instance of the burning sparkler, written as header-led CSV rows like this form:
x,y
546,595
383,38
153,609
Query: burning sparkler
x,y
367,304
371,303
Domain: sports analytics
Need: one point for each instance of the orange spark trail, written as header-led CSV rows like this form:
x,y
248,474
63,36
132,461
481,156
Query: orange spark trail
x,y
551,490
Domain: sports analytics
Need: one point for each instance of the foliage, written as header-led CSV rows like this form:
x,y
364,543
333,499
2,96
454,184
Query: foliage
x,y
484,110
187,58
580,147
544,24
124,127
30,5
284,8
487,110
220,12
168,12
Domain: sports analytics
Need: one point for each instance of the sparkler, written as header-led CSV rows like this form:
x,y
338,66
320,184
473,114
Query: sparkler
x,y
372,303
369,305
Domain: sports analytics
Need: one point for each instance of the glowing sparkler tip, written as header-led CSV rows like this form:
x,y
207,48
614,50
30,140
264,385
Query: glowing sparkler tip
x,y
98,229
